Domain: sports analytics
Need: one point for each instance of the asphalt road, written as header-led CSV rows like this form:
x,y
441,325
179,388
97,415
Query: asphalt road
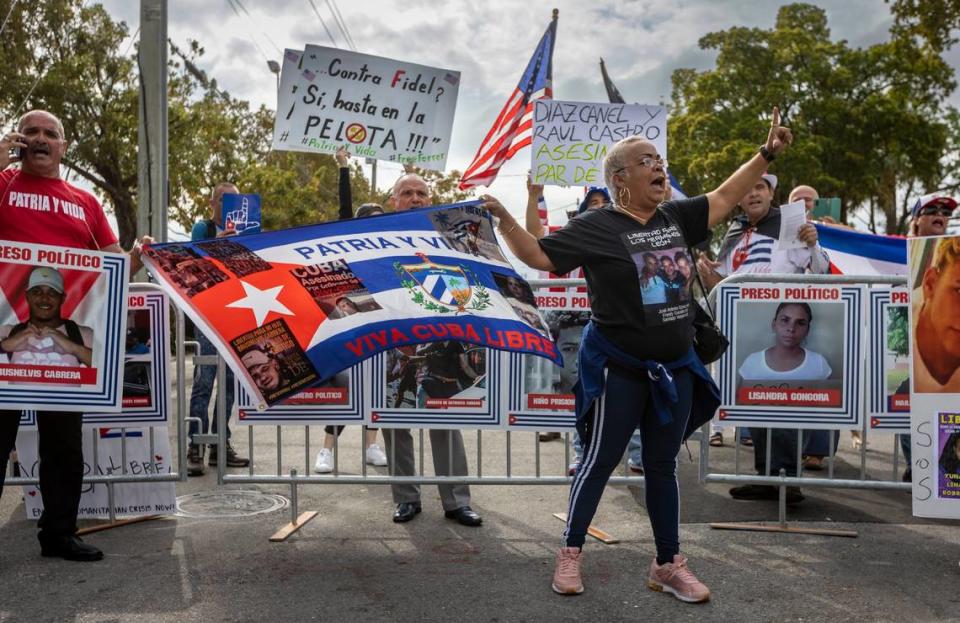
x,y
353,564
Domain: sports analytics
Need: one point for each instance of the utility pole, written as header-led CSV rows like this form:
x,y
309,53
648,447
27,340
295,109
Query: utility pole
x,y
152,187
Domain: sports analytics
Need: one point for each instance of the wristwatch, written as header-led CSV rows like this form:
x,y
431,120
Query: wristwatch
x,y
768,155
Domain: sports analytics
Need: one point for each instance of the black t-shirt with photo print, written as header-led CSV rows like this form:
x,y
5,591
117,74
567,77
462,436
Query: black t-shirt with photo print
x,y
621,262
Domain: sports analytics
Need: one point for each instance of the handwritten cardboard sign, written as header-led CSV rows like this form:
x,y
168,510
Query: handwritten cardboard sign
x,y
571,139
377,107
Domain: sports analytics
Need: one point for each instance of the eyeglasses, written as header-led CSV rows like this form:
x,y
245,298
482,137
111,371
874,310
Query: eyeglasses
x,y
649,162
935,211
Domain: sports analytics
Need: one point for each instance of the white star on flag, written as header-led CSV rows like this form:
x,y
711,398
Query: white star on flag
x,y
261,302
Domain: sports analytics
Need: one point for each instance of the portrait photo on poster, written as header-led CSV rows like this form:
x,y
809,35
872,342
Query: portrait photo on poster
x,y
896,358
47,336
519,295
138,361
935,315
468,229
546,385
789,346
948,457
436,375
335,288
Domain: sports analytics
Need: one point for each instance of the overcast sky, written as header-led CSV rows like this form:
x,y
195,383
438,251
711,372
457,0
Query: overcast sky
x,y
489,43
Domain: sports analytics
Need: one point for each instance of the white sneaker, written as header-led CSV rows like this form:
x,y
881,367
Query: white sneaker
x,y
376,456
324,464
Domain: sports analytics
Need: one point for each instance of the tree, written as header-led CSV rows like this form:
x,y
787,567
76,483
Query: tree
x,y
869,122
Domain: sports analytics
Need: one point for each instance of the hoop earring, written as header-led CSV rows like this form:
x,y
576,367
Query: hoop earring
x,y
620,200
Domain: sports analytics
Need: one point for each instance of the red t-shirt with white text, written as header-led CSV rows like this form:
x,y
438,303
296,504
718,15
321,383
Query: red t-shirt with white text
x,y
44,210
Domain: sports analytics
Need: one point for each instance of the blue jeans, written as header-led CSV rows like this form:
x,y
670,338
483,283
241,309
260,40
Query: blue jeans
x,y
817,442
624,407
203,378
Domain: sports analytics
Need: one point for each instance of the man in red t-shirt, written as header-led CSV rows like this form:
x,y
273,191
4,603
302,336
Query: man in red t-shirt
x,y
38,207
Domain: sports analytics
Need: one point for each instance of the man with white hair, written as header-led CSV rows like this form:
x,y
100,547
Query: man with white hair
x,y
39,145
449,457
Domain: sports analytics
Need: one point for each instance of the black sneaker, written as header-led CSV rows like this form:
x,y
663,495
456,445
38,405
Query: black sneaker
x,y
195,460
233,459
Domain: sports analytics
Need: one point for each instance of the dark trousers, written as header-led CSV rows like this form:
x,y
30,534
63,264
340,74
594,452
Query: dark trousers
x,y
783,451
624,407
61,467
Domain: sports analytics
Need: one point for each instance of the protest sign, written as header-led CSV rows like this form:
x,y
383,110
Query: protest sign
x,y
131,499
889,360
541,392
338,401
289,309
376,107
447,384
570,139
934,265
62,322
796,355
241,213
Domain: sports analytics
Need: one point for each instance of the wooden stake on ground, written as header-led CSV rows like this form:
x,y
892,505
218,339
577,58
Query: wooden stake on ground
x,y
753,527
596,533
284,533
117,524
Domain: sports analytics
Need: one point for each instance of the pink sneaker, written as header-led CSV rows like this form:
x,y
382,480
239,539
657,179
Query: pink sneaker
x,y
676,578
566,577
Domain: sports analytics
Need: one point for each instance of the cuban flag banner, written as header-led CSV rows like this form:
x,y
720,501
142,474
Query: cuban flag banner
x,y
289,309
856,253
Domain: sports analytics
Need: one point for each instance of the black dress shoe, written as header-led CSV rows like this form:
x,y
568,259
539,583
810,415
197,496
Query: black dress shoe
x,y
465,515
70,548
405,512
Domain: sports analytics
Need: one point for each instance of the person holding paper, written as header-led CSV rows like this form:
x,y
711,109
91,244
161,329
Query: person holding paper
x,y
751,246
637,362
40,138
204,375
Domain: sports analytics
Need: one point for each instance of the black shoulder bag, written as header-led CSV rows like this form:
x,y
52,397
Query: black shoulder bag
x,y
708,341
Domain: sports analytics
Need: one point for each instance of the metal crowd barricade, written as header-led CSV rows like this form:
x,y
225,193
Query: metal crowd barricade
x,y
175,419
294,478
782,481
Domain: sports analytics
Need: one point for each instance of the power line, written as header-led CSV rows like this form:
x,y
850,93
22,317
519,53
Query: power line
x,y
344,22
7,18
262,31
133,40
252,38
341,25
320,17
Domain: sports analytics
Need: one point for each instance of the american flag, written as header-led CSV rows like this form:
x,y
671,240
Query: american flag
x,y
513,129
542,212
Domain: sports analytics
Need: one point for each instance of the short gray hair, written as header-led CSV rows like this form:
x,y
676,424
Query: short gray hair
x,y
23,117
616,160
393,189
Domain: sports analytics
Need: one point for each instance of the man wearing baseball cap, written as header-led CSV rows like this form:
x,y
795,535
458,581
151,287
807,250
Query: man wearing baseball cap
x,y
750,246
46,338
930,215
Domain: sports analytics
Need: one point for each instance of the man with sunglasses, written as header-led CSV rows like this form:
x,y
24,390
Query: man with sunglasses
x,y
931,215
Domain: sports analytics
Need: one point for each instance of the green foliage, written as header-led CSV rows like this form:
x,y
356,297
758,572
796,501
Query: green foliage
x,y
867,122
898,331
